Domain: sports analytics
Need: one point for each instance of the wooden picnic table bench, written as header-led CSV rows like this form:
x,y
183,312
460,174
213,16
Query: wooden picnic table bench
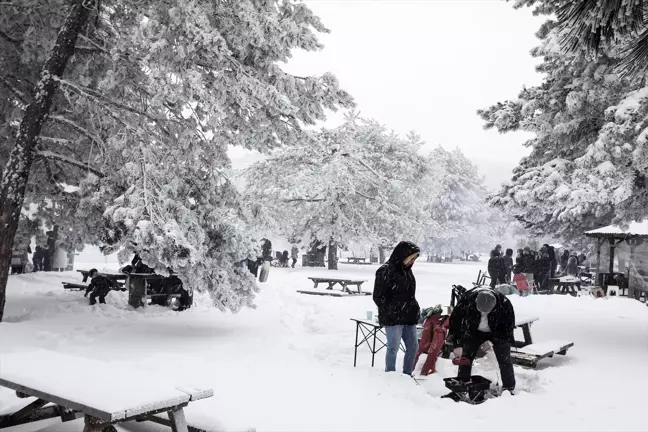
x,y
344,284
65,385
565,285
116,277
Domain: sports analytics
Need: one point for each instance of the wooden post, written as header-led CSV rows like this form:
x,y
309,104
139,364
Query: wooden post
x,y
598,259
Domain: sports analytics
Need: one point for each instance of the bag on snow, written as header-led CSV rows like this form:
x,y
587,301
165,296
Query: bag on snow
x,y
265,270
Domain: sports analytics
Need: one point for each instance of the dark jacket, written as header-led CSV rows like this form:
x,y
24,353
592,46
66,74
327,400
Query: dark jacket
x,y
465,318
100,285
496,267
528,263
395,289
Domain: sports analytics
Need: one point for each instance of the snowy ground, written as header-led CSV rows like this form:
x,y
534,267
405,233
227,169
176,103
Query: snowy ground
x,y
288,365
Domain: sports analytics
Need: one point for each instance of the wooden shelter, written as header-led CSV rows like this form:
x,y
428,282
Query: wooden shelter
x,y
622,257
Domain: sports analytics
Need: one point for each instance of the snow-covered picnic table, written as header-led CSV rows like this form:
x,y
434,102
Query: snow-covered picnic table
x,y
566,285
66,385
331,282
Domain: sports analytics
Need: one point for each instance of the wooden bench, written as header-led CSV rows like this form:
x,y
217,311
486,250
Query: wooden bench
x,y
66,386
73,286
530,355
344,284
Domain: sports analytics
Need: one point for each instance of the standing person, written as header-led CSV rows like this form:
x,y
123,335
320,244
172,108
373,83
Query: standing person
x,y
496,269
564,258
398,311
294,252
518,258
554,260
38,257
528,266
508,264
572,265
543,266
484,315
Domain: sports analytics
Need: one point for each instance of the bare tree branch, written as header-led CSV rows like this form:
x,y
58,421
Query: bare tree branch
x,y
9,39
61,158
76,127
20,95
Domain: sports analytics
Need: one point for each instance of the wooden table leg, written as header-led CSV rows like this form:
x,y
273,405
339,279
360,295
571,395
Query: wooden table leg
x,y
178,420
526,331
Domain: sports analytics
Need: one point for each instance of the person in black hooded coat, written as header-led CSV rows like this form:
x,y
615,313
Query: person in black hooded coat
x,y
398,311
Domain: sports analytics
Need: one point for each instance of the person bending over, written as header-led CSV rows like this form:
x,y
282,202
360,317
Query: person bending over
x,y
484,315
99,287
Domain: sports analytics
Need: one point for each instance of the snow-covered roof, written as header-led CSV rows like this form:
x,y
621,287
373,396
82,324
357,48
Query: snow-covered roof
x,y
635,229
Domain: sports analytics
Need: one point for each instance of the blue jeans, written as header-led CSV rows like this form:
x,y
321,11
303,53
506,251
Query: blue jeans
x,y
394,336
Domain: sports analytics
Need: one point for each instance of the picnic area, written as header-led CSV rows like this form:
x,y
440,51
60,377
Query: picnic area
x,y
306,346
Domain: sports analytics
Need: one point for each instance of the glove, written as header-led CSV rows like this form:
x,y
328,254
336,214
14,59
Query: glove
x,y
458,352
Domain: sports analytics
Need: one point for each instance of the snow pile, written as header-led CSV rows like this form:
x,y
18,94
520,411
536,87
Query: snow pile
x,y
288,366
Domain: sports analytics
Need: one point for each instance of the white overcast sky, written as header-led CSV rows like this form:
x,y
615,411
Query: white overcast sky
x,y
428,66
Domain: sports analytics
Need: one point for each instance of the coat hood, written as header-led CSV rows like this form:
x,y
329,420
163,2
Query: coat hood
x,y
402,251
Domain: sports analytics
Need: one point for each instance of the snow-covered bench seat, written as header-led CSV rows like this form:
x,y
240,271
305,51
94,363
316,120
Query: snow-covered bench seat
x,y
104,393
530,355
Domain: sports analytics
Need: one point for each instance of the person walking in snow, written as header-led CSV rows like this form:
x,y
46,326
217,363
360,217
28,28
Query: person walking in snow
x,y
528,265
99,287
294,253
398,311
543,266
484,315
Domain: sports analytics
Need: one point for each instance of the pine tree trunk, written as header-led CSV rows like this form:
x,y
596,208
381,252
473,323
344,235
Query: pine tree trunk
x,y
332,255
381,254
16,172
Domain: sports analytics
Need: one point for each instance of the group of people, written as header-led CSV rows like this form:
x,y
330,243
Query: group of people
x,y
481,315
535,266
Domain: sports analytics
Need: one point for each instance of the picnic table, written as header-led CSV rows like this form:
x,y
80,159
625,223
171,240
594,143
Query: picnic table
x,y
565,285
331,282
66,386
116,277
357,260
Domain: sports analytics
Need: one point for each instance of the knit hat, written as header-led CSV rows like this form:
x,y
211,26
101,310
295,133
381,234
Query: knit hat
x,y
485,301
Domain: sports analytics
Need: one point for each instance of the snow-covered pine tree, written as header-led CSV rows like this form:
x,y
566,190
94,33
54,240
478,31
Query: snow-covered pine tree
x,y
587,163
456,208
345,186
157,90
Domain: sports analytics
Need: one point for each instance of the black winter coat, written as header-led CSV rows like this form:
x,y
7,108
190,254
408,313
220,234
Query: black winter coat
x,y
465,318
100,285
496,267
528,264
395,289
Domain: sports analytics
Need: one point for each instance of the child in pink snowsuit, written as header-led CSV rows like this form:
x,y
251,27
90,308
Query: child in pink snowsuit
x,y
521,283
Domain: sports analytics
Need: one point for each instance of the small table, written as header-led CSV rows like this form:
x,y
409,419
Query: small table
x,y
344,283
565,285
370,330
